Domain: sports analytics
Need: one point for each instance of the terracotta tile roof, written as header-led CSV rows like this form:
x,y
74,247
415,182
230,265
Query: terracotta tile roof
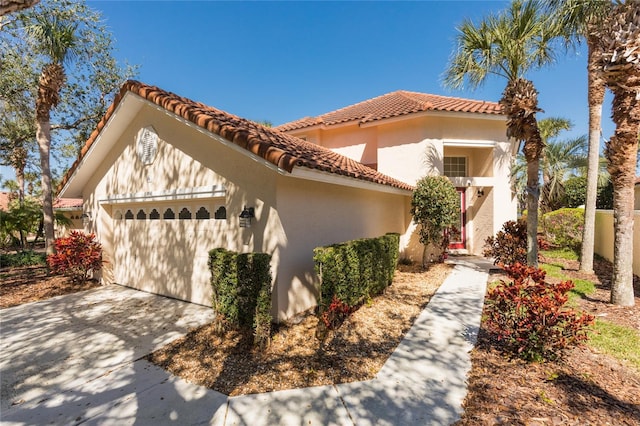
x,y
285,151
394,104
67,203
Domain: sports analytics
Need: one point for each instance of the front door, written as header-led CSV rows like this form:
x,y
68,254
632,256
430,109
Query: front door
x,y
457,234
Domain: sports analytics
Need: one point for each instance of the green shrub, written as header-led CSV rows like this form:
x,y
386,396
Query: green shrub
x,y
22,258
435,206
530,318
355,271
509,246
241,284
76,256
575,189
563,227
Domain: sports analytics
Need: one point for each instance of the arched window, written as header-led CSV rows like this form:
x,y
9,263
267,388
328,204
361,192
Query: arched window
x,y
141,215
184,214
128,215
154,214
169,214
203,213
221,213
117,215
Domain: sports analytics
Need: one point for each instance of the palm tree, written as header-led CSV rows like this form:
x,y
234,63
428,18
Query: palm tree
x,y
579,19
619,41
509,45
54,38
561,159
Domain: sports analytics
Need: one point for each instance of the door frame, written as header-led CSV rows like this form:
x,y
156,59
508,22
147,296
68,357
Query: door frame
x,y
462,244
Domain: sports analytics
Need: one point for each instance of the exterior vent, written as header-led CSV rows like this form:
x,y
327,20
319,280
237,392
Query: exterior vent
x,y
147,145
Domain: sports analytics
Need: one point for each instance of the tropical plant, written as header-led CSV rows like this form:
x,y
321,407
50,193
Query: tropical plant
x,y
435,206
509,45
41,44
619,64
77,256
579,19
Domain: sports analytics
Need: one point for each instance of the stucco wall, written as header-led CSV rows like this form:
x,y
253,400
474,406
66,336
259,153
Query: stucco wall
x,y
315,214
604,237
170,256
636,194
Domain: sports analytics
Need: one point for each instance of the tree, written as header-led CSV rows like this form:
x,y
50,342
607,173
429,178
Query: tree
x,y
435,205
67,102
509,45
579,19
619,65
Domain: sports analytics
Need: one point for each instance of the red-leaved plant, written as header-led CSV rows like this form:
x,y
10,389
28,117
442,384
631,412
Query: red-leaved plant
x,y
335,315
529,315
76,256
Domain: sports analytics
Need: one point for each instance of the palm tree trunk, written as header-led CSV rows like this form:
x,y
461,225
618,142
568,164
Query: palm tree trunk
x,y
533,197
595,98
622,151
43,136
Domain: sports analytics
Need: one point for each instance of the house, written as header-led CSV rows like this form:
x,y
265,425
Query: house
x,y
70,208
165,179
408,135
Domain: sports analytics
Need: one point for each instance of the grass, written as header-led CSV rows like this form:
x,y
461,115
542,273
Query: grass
x,y
561,253
619,341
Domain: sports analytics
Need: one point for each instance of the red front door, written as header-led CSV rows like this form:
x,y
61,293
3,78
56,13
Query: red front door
x,y
457,233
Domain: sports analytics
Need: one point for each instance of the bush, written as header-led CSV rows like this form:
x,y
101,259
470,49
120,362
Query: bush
x,y
22,258
509,246
576,192
530,318
563,227
241,284
435,205
357,270
76,256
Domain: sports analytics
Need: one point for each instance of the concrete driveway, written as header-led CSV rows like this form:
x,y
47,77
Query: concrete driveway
x,y
74,358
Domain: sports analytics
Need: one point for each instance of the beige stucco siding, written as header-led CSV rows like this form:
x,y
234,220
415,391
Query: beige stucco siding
x,y
170,256
315,214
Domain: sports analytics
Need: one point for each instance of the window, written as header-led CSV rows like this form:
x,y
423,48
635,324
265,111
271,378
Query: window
x,y
203,213
128,215
221,213
169,214
117,215
184,214
153,215
455,166
141,215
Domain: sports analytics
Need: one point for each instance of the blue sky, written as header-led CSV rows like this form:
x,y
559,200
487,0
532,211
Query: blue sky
x,y
280,61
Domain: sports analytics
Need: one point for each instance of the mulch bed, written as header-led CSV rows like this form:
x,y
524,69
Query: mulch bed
x,y
584,388
32,283
296,358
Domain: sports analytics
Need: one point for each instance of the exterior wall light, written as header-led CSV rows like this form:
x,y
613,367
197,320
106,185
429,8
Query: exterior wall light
x,y
480,192
247,214
86,218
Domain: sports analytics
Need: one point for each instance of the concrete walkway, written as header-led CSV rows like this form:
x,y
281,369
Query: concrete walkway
x,y
422,383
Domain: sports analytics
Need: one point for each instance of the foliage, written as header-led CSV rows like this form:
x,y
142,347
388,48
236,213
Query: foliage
x,y
241,284
575,190
335,314
20,220
357,270
76,256
530,317
563,227
435,206
23,258
509,246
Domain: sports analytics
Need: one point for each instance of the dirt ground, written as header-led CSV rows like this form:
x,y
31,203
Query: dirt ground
x,y
31,283
586,388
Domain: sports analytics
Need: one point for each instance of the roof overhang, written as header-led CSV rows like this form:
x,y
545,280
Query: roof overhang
x,y
334,179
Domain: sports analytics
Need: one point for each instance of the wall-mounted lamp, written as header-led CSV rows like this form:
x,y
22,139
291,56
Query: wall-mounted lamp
x,y
247,214
86,218
480,192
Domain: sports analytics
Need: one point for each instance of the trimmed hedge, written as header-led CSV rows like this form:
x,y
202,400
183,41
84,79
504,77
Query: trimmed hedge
x,y
354,271
241,285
